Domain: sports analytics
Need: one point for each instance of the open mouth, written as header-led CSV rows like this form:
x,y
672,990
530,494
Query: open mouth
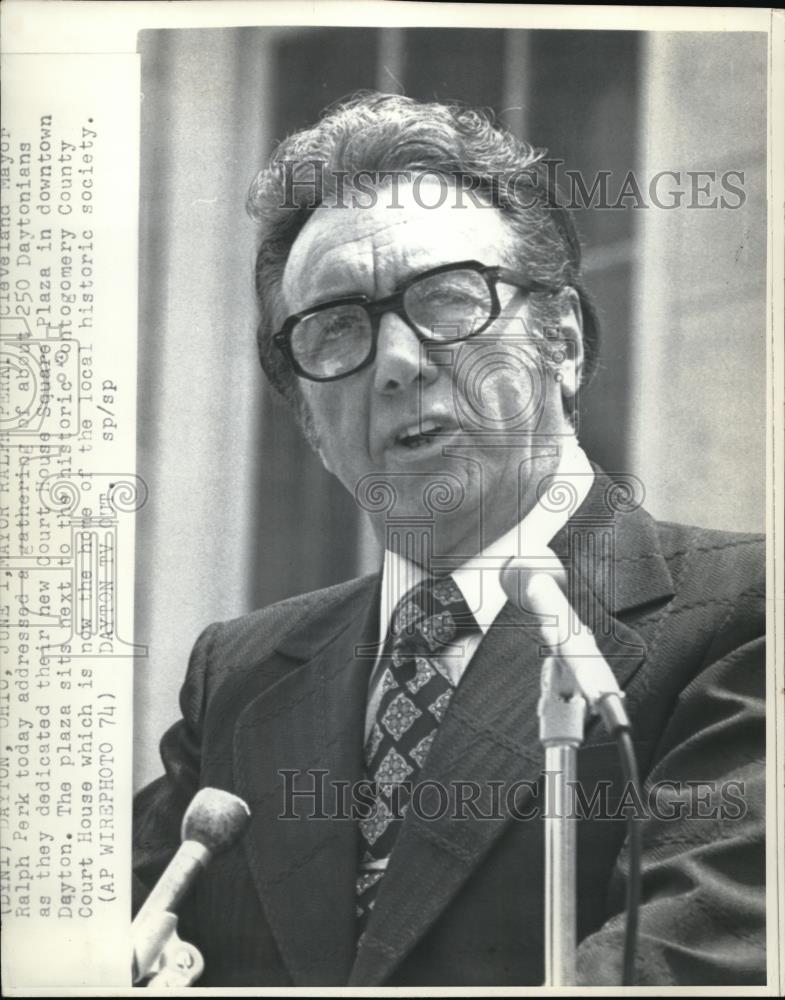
x,y
419,434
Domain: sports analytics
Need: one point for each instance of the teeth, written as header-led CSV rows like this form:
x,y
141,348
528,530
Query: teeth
x,y
415,431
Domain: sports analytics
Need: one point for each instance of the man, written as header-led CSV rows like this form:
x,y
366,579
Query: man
x,y
422,309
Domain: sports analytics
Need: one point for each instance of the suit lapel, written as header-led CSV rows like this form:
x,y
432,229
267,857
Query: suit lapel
x,y
489,737
308,726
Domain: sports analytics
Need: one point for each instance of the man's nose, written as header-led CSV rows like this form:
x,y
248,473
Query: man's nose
x,y
401,360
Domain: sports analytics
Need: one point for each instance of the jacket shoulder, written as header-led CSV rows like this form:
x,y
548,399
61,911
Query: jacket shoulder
x,y
725,559
719,585
226,647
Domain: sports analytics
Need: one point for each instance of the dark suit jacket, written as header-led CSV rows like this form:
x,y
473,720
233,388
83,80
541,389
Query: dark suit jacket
x,y
679,614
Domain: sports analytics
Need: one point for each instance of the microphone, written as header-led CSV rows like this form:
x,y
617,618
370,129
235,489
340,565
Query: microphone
x,y
531,584
212,822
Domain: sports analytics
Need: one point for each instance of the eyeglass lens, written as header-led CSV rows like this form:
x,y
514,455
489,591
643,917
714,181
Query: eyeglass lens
x,y
333,341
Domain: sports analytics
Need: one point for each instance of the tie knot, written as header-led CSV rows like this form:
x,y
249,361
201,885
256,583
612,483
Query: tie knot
x,y
431,615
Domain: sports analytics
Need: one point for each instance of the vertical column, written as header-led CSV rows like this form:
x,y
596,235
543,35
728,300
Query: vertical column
x,y
516,83
699,327
204,126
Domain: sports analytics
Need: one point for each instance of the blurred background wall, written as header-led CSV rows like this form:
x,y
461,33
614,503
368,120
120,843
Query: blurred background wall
x,y
240,513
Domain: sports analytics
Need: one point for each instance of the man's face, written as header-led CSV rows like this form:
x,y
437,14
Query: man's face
x,y
488,398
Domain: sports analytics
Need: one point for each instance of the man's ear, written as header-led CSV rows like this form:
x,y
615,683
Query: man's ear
x,y
571,332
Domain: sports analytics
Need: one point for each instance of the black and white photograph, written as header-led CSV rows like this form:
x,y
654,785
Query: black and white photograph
x,y
449,520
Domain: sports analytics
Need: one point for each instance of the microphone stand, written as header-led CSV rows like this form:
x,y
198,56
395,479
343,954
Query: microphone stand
x,y
575,680
562,712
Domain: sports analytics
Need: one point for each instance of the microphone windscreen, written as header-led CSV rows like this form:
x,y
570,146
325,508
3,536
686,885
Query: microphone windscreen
x,y
215,819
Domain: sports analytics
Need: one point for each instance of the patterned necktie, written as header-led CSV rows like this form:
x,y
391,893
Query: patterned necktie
x,y
416,690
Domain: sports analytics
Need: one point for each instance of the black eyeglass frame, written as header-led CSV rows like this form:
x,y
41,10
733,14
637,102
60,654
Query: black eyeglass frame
x,y
375,309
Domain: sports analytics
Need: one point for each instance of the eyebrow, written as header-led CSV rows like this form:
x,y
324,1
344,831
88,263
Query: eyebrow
x,y
335,278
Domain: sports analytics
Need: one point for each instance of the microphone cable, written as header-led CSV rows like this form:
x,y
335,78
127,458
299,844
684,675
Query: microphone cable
x,y
629,766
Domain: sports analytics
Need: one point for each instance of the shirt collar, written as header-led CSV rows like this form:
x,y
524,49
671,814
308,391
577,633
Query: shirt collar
x,y
478,577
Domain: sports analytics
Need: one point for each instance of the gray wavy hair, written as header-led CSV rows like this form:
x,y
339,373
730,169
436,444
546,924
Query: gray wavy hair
x,y
377,133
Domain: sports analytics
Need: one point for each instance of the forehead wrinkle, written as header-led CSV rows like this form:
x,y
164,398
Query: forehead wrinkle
x,y
370,235
371,232
355,264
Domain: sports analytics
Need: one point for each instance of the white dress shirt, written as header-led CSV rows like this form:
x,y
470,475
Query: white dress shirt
x,y
478,577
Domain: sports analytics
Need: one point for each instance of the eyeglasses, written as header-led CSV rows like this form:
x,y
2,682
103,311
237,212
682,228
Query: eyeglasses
x,y
443,305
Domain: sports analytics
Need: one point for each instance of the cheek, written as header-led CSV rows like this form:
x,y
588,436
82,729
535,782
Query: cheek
x,y
503,389
334,422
